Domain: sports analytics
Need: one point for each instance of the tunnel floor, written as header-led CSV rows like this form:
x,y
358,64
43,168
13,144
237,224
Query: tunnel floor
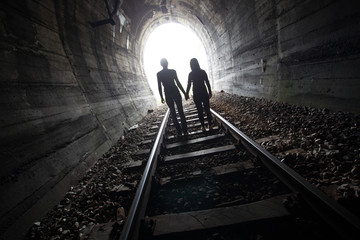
x,y
321,145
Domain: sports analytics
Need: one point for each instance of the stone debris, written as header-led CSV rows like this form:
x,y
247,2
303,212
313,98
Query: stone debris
x,y
322,146
134,127
96,207
120,189
133,164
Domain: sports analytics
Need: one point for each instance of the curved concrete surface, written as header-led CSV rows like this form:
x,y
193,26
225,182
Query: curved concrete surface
x,y
72,79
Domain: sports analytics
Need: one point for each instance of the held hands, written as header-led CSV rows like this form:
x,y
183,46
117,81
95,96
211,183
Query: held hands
x,y
186,96
162,100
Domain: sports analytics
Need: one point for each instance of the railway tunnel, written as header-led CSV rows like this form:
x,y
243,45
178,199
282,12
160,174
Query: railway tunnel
x,y
73,82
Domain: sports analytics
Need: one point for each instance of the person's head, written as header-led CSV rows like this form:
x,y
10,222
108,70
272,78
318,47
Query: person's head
x,y
164,63
194,64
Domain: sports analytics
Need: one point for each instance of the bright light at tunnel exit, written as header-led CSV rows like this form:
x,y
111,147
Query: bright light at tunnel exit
x,y
178,44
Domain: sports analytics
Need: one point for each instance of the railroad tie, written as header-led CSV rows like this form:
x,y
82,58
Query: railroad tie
x,y
219,217
192,141
200,153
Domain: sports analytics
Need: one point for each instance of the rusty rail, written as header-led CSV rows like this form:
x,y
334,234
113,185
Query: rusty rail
x,y
138,206
338,217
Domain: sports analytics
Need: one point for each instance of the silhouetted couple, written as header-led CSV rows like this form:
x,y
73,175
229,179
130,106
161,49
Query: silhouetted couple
x,y
201,93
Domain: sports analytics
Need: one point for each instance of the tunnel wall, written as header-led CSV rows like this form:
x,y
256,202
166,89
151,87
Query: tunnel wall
x,y
319,54
300,52
68,93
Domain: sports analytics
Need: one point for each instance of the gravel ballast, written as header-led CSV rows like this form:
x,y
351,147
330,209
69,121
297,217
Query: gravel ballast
x,y
321,145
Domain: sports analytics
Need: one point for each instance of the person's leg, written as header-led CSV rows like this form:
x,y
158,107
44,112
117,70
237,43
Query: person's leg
x,y
199,107
170,103
206,103
180,109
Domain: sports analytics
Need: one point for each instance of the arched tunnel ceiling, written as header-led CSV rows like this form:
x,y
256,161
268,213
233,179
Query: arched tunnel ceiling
x,y
254,47
196,15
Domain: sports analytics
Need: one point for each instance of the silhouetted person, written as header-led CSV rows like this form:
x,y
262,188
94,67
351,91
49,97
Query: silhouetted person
x,y
168,78
201,91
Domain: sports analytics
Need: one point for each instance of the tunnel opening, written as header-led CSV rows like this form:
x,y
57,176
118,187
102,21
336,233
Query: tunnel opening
x,y
178,44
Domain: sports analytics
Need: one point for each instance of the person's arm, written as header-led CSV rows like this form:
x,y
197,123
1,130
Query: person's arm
x,y
178,83
160,89
208,84
188,87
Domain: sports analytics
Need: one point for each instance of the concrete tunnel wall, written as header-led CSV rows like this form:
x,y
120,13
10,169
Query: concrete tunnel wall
x,y
69,91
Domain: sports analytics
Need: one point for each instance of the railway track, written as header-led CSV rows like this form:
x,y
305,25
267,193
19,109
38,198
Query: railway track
x,y
220,184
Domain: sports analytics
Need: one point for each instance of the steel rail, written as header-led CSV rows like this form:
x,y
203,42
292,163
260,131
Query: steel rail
x,y
138,206
342,220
